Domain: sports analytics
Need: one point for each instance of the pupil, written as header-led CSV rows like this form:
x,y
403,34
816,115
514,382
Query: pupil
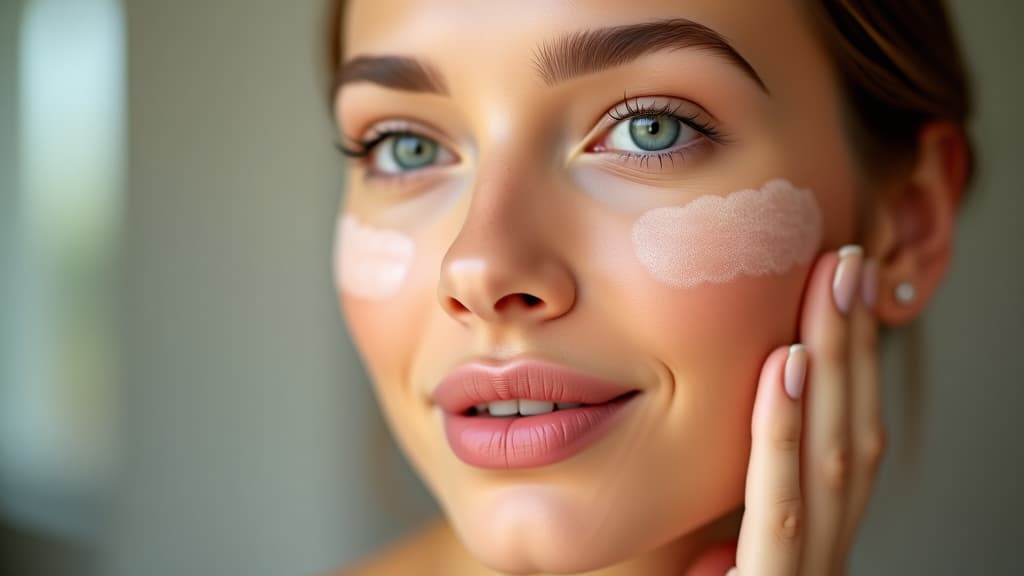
x,y
411,152
648,133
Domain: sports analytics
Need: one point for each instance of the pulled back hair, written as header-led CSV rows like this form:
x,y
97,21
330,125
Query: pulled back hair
x,y
900,66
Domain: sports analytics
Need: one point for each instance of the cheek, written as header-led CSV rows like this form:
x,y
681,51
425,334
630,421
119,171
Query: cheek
x,y
718,283
716,239
379,277
718,280
370,263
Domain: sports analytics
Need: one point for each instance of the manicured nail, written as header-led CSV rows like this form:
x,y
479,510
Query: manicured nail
x,y
869,288
796,371
847,277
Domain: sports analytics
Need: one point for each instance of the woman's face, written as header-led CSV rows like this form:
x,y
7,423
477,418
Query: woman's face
x,y
630,191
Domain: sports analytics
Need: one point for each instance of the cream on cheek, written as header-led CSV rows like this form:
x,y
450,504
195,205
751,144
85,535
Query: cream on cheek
x,y
370,263
716,239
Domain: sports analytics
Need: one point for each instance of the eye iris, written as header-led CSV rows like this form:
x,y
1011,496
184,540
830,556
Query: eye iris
x,y
654,132
413,152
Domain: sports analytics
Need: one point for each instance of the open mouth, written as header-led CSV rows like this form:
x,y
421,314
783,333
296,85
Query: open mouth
x,y
527,413
526,407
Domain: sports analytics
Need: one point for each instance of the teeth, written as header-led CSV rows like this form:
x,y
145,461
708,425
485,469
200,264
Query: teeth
x,y
503,407
521,407
534,407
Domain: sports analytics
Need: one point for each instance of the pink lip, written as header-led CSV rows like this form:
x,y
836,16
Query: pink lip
x,y
486,441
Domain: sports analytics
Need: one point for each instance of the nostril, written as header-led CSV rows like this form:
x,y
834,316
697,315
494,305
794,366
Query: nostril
x,y
531,300
456,307
528,301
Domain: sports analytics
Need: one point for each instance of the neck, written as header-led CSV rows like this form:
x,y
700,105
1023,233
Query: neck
x,y
711,546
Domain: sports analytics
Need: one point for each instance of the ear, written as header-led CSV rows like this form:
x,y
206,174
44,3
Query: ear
x,y
915,218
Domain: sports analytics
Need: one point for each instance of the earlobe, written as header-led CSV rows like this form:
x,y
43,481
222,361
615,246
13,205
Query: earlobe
x,y
913,235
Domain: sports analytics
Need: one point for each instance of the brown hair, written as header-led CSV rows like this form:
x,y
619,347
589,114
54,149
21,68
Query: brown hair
x,y
900,67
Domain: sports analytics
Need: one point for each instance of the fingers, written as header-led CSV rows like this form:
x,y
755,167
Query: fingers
x,y
772,533
833,289
807,490
867,428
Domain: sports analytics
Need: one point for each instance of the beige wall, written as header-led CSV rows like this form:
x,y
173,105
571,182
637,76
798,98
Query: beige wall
x,y
244,409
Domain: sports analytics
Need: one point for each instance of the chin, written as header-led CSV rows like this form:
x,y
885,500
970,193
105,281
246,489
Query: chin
x,y
536,528
545,543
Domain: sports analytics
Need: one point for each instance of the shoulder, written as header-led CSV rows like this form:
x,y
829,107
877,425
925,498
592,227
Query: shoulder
x,y
423,552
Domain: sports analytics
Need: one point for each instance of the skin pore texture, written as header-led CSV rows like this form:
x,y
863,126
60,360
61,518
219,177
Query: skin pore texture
x,y
541,233
714,239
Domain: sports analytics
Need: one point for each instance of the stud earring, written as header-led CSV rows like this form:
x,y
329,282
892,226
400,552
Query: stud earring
x,y
905,293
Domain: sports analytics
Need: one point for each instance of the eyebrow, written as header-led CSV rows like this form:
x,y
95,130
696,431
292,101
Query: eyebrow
x,y
396,72
585,52
569,56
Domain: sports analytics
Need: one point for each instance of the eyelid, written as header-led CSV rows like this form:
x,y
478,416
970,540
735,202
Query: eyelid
x,y
398,126
366,147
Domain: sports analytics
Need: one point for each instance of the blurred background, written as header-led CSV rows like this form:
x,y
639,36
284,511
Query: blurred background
x,y
177,391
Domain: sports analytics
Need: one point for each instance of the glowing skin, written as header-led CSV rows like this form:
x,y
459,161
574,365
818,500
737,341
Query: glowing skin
x,y
370,263
524,249
716,239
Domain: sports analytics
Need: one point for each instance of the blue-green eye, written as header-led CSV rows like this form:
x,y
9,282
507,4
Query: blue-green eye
x,y
411,151
650,133
402,152
653,133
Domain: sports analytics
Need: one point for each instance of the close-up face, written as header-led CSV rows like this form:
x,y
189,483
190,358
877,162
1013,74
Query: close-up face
x,y
607,209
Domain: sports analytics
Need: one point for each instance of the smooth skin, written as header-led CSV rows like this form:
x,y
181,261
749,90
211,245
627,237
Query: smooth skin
x,y
703,357
813,457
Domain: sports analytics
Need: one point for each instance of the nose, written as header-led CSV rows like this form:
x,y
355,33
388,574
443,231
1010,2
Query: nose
x,y
502,269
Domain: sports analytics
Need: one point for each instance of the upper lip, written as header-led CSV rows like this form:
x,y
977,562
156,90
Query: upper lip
x,y
477,383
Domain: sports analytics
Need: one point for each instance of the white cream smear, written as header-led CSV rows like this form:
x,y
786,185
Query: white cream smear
x,y
716,239
369,262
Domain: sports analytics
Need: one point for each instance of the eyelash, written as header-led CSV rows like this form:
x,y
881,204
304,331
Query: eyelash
x,y
363,148
634,108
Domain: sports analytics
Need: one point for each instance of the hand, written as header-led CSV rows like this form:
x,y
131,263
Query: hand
x,y
806,493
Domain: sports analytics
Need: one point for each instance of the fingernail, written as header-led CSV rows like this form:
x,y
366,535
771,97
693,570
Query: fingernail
x,y
734,571
844,283
795,371
869,288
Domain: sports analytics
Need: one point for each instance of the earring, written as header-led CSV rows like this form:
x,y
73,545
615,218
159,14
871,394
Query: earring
x,y
905,293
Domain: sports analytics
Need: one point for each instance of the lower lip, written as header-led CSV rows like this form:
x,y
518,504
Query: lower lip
x,y
530,441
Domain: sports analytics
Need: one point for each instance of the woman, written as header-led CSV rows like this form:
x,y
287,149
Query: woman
x,y
618,269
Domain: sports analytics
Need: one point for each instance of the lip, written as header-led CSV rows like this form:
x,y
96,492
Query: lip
x,y
492,442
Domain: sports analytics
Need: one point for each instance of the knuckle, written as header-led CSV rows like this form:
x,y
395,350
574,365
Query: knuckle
x,y
788,521
784,436
836,467
872,446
